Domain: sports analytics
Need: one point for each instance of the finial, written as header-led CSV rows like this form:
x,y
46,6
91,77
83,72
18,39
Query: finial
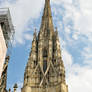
x,y
34,35
8,57
15,87
56,28
35,30
7,60
9,90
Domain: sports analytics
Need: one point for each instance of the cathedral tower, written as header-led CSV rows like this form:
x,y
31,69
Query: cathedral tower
x,y
45,70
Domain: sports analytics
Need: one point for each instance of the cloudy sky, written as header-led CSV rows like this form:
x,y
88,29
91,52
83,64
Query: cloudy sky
x,y
74,21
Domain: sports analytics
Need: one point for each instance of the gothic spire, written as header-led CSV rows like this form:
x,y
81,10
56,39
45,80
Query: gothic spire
x,y
47,21
47,9
45,71
34,35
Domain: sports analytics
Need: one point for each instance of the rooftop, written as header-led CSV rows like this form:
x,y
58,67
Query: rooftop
x,y
5,20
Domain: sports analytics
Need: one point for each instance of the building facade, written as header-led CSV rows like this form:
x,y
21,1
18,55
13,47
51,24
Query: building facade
x,y
3,49
45,70
6,34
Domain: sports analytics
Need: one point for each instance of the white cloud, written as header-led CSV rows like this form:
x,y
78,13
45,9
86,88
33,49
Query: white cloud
x,y
75,37
67,59
28,37
87,54
79,12
82,18
20,85
62,1
79,78
22,11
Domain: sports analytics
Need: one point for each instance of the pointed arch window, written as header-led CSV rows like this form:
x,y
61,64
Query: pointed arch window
x,y
44,59
44,53
44,66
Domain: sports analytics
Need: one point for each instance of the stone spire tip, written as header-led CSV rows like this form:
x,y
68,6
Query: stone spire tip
x,y
35,30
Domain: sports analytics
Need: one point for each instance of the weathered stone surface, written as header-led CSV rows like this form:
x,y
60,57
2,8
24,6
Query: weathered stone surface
x,y
45,71
3,80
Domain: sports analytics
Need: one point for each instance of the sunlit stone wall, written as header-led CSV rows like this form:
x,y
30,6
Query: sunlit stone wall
x,y
3,50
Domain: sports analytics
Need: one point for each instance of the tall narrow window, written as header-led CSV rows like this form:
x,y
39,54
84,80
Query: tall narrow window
x,y
44,60
44,53
44,66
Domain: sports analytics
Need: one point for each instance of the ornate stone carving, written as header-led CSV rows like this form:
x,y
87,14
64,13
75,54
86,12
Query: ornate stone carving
x,y
3,80
45,71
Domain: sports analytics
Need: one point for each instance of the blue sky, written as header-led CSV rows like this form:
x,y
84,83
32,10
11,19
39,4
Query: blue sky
x,y
74,23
